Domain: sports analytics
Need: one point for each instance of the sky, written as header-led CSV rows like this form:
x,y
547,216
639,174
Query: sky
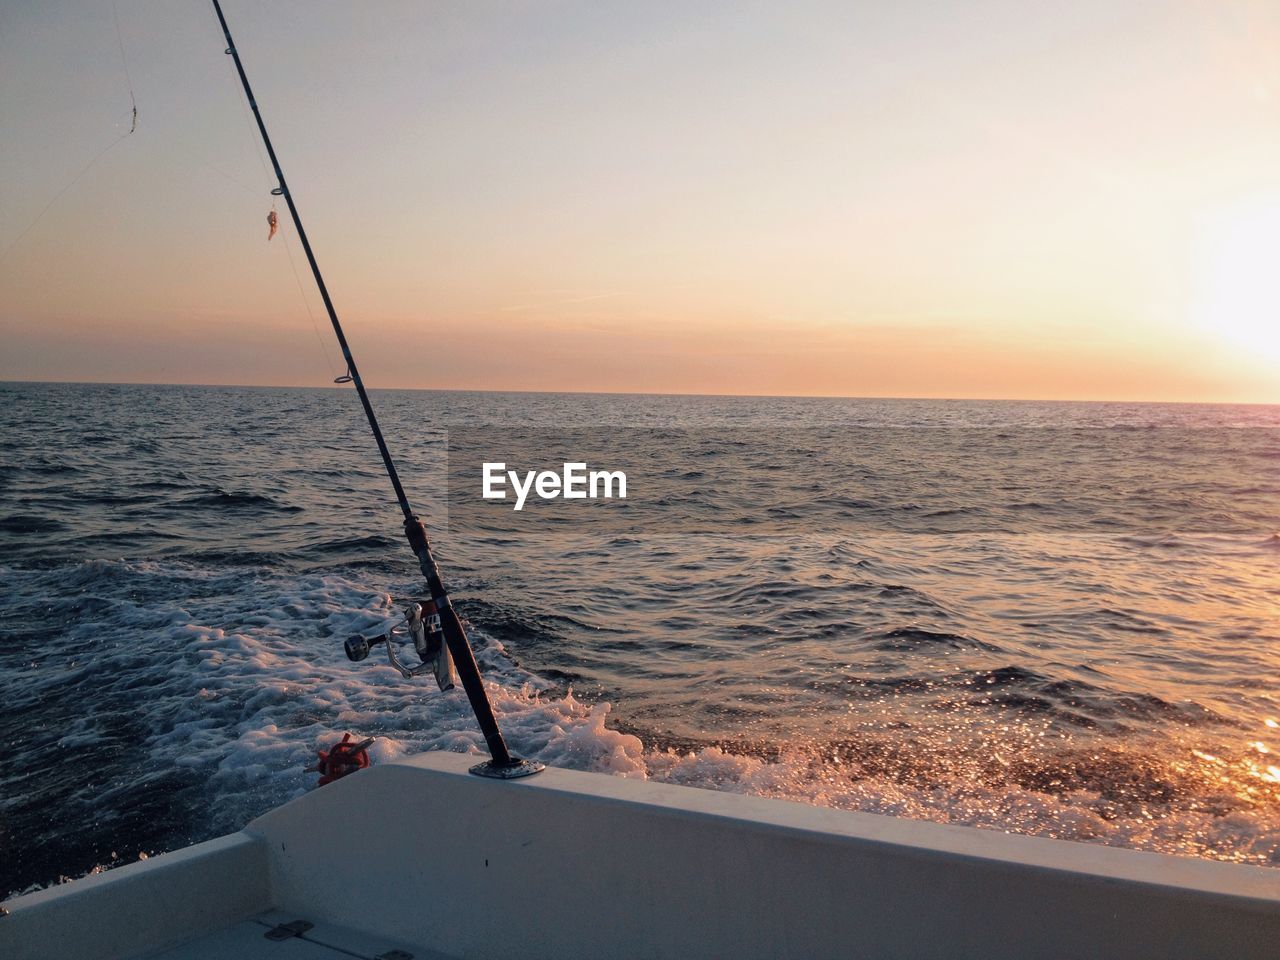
x,y
927,199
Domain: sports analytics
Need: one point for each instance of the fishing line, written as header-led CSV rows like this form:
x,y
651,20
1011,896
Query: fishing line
x,y
57,196
288,247
255,191
315,326
124,62
251,130
133,126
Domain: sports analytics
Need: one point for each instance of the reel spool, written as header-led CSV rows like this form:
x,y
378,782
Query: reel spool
x,y
422,623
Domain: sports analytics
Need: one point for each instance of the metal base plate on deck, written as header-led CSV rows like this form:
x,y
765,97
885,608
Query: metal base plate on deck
x,y
512,771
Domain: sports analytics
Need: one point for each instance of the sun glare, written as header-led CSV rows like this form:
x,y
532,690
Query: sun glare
x,y
1237,276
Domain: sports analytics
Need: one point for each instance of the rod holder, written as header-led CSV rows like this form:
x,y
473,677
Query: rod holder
x,y
512,771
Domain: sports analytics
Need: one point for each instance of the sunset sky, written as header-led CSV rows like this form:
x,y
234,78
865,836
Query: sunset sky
x,y
977,199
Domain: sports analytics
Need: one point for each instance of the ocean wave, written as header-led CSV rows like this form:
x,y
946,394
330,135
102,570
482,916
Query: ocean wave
x,y
219,688
909,639
239,500
30,523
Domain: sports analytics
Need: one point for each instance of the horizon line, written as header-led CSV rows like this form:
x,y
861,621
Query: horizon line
x,y
656,393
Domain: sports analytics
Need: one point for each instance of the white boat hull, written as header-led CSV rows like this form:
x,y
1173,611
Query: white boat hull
x,y
422,857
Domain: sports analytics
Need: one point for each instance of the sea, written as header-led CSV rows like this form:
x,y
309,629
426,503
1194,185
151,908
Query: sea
x,y
1056,619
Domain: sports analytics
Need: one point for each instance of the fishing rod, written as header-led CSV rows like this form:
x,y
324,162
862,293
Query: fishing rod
x,y
433,620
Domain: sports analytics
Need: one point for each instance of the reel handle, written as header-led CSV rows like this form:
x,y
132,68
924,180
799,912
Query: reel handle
x,y
358,647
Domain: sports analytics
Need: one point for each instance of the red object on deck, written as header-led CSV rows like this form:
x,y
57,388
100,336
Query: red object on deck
x,y
341,759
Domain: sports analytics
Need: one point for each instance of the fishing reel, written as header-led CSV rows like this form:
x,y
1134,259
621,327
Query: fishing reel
x,y
422,623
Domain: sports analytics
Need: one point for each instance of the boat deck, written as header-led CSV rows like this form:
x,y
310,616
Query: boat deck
x,y
279,936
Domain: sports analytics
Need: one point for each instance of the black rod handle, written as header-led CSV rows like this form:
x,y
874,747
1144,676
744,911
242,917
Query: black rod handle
x,y
455,636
